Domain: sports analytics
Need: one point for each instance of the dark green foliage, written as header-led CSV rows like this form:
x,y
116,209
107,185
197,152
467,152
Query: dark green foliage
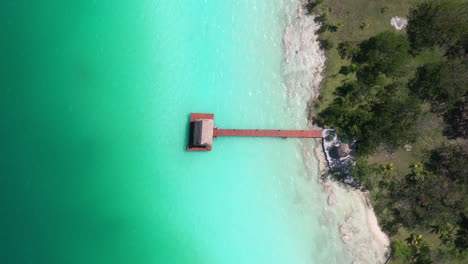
x,y
415,250
323,18
401,251
348,69
332,28
439,23
345,70
446,234
456,120
365,174
326,44
431,197
441,84
372,115
450,162
385,53
322,29
361,175
420,250
461,240
346,49
311,5
419,204
435,195
370,76
395,119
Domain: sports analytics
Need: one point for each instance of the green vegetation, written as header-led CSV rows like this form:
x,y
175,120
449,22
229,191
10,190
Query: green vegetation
x,y
402,96
375,108
415,250
439,23
431,199
440,83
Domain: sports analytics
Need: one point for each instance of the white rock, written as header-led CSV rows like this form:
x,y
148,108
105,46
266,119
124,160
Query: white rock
x,y
398,23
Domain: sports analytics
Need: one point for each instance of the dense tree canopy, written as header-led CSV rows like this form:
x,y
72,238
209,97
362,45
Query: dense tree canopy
x,y
439,23
461,239
450,162
372,116
385,53
375,109
456,119
441,84
434,194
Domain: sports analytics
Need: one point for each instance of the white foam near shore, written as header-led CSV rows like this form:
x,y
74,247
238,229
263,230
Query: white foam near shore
x,y
345,210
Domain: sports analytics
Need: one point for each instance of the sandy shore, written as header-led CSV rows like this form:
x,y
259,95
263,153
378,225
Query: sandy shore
x,y
379,236
354,217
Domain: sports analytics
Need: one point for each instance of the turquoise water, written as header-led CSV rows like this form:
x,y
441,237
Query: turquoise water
x,y
95,112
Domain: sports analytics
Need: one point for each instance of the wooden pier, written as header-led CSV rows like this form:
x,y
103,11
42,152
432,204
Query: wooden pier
x,y
267,133
202,132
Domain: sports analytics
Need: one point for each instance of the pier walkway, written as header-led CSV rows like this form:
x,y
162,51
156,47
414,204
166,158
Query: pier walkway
x,y
202,131
267,133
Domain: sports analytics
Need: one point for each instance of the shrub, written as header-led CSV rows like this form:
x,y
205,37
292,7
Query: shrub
x,y
344,70
332,28
323,18
456,120
326,44
401,251
364,24
339,24
346,49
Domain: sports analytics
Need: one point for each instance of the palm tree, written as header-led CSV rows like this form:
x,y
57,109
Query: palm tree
x,y
386,169
418,173
417,167
421,250
414,240
445,233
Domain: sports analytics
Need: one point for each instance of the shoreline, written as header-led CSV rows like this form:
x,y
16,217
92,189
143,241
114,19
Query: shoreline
x,y
301,42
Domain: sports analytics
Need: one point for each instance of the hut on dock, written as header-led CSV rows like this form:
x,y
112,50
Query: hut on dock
x,y
203,132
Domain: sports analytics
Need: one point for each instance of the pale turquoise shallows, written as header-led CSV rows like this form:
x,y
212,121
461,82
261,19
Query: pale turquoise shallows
x,y
97,97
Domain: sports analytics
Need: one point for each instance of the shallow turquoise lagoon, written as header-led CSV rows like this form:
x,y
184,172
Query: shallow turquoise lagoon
x,y
95,107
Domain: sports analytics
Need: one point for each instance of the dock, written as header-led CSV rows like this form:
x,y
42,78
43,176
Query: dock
x,y
202,132
267,133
